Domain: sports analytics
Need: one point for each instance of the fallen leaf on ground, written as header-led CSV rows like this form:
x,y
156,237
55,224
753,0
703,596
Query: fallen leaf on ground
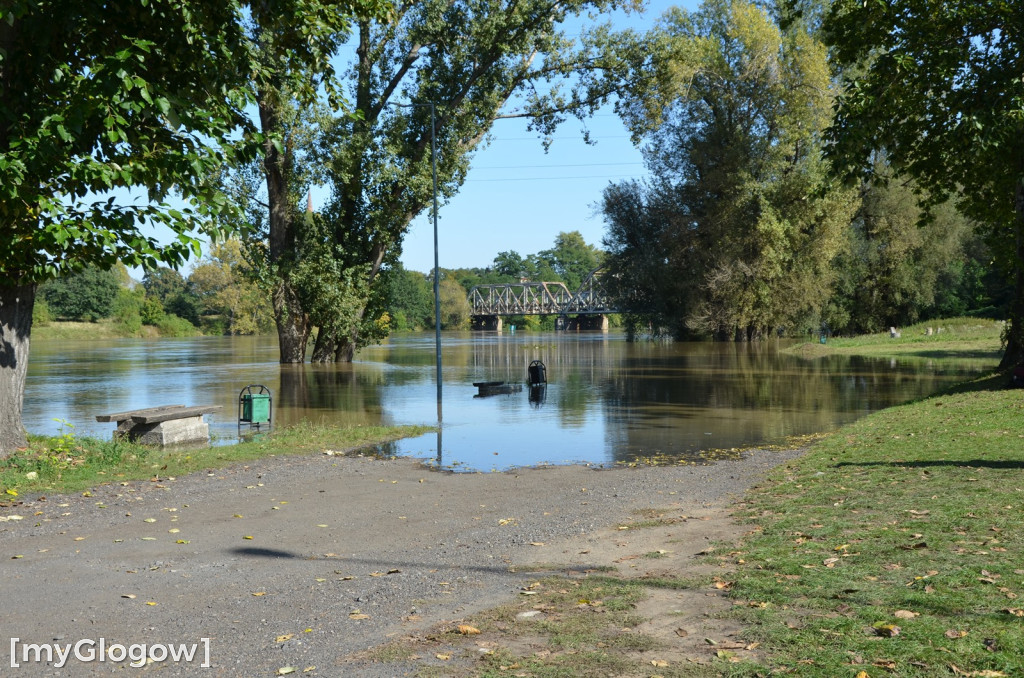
x,y
906,614
467,630
660,663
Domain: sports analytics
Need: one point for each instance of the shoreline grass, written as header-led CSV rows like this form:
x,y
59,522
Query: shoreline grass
x,y
65,464
893,547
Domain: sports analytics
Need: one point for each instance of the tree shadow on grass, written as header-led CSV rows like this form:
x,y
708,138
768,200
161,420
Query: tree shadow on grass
x,y
1007,464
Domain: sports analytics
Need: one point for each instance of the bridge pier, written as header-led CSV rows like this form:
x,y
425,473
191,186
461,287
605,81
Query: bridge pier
x,y
485,323
586,323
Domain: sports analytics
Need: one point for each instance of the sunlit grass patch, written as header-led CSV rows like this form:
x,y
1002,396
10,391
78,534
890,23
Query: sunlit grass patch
x,y
895,544
66,463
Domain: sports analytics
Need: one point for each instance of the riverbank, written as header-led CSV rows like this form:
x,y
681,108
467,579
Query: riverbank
x,y
890,547
66,464
964,338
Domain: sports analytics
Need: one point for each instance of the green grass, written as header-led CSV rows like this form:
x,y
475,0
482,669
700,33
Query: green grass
x,y
909,518
65,463
962,338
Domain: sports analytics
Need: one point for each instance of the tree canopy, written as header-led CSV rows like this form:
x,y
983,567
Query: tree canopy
x,y
437,76
937,87
735,233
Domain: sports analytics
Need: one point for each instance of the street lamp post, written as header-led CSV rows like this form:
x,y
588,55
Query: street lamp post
x,y
437,276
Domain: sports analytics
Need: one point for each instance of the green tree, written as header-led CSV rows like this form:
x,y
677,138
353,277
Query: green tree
x,y
87,295
896,265
293,42
224,289
510,265
411,299
745,221
452,68
93,100
938,88
162,283
572,258
455,309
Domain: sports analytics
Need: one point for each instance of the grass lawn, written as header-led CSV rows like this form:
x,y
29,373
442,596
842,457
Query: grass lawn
x,y
69,464
894,546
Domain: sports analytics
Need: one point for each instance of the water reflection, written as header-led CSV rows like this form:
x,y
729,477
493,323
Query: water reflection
x,y
606,400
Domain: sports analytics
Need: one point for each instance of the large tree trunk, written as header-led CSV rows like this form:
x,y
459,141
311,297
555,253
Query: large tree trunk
x,y
16,305
331,349
1014,354
292,321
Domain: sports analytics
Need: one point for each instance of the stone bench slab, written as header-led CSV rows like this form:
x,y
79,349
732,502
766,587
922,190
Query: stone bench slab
x,y
167,425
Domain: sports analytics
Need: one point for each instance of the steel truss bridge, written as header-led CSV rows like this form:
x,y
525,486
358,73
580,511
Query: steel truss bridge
x,y
541,298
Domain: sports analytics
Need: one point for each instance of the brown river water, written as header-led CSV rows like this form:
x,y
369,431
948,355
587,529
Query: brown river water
x,y
606,400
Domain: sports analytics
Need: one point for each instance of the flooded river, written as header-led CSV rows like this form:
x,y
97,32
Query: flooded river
x,y
606,400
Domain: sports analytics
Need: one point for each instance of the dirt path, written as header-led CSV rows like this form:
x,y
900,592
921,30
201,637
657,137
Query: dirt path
x,y
307,562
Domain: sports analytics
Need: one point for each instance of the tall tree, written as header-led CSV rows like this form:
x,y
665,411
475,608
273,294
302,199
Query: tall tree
x,y
93,100
739,218
939,89
897,263
293,41
87,295
451,67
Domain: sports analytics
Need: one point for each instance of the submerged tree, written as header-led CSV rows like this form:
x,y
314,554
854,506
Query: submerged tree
x,y
438,76
734,236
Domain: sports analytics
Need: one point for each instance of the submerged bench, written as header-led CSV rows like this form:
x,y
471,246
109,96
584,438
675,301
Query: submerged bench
x,y
167,425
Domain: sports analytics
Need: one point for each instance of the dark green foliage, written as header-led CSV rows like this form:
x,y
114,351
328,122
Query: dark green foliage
x,y
411,298
162,283
734,235
938,87
185,305
899,266
87,295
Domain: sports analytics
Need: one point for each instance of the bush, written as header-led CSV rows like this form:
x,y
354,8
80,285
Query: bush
x,y
41,314
173,326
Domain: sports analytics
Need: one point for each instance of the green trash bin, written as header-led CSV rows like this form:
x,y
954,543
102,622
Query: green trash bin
x,y
254,405
256,408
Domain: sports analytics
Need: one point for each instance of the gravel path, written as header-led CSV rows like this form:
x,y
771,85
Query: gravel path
x,y
304,561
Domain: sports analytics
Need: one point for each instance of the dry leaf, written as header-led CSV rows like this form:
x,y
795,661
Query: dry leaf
x,y
284,638
128,595
954,634
906,614
443,657
660,663
682,633
285,670
467,630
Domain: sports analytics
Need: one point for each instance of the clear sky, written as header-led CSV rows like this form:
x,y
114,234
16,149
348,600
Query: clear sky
x,y
519,198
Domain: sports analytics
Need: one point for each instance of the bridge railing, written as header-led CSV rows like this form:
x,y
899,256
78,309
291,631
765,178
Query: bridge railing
x,y
540,298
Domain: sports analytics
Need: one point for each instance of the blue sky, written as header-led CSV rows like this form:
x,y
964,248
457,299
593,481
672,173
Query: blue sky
x,y
517,197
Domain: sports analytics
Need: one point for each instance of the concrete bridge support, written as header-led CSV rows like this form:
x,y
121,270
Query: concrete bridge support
x,y
486,323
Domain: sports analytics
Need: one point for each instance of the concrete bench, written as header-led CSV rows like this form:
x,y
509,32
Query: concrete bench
x,y
167,425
